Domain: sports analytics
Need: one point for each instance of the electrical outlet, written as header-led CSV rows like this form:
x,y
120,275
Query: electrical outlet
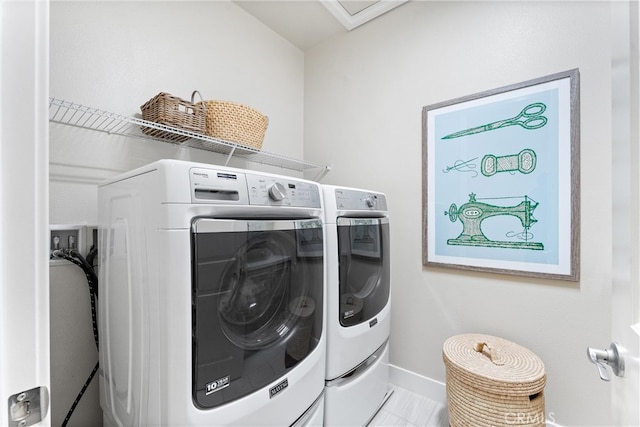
x,y
67,237
92,236
92,241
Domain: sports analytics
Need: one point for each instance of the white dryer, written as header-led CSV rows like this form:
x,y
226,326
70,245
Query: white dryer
x,y
358,304
211,298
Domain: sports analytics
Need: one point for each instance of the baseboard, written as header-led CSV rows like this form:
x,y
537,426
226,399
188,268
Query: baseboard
x,y
434,390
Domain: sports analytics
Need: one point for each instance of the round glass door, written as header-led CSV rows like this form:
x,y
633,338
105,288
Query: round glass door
x,y
256,291
364,268
257,303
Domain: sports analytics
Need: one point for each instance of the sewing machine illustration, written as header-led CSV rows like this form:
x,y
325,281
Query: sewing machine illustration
x,y
472,213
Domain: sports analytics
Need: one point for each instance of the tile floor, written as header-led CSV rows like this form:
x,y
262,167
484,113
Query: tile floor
x,y
405,408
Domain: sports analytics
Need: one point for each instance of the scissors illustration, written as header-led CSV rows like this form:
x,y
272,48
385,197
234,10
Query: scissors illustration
x,y
531,115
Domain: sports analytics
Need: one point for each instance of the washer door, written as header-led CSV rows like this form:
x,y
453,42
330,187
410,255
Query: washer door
x,y
257,303
364,268
254,301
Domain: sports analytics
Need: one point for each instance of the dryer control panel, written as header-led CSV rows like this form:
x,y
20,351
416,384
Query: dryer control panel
x,y
266,190
356,200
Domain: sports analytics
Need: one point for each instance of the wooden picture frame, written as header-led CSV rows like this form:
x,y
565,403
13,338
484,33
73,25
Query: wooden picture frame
x,y
501,187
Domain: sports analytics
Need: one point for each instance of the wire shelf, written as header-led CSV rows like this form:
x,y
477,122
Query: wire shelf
x,y
78,115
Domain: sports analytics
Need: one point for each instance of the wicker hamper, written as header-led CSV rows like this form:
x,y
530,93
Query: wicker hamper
x,y
169,110
237,123
493,382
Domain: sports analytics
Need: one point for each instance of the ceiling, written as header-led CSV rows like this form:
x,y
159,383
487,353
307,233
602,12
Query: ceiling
x,y
306,23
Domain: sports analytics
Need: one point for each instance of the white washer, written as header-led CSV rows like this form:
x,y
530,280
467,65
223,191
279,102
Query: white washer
x,y
212,294
358,304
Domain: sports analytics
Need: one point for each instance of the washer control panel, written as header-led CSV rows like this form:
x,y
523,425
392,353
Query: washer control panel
x,y
281,191
243,188
347,199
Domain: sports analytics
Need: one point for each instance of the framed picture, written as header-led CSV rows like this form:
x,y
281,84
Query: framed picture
x,y
501,180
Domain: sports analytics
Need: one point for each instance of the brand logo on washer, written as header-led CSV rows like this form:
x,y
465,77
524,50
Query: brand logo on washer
x,y
373,322
278,388
202,174
217,385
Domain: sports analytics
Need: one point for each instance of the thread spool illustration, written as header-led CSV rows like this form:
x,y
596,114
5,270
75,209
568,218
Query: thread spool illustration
x,y
523,162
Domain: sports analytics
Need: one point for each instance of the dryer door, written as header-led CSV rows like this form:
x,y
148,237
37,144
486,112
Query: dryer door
x,y
257,294
364,270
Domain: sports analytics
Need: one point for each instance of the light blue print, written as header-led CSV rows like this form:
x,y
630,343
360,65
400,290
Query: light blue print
x,y
505,207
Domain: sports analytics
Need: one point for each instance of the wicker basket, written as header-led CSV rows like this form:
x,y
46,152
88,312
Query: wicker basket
x,y
493,382
237,123
169,110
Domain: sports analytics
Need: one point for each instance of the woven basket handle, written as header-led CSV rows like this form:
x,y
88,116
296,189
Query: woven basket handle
x,y
193,95
491,351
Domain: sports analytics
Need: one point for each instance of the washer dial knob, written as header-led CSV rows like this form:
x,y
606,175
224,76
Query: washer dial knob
x,y
369,201
277,192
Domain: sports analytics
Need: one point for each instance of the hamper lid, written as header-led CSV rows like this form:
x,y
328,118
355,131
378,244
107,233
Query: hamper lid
x,y
493,363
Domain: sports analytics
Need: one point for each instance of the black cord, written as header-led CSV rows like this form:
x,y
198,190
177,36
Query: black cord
x,y
92,280
84,388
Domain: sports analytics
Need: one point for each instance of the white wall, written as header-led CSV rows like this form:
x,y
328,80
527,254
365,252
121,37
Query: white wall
x,y
364,94
115,56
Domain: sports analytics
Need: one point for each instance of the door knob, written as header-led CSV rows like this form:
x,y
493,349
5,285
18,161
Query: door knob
x,y
610,356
